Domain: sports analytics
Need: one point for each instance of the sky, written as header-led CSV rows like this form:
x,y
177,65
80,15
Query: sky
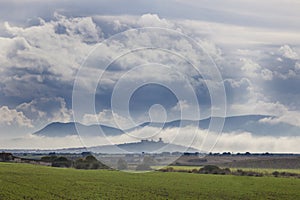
x,y
121,63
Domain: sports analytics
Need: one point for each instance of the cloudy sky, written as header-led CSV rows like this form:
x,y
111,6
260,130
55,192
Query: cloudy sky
x,y
122,63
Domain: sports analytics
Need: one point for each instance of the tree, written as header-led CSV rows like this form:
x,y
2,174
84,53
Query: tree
x,y
91,158
61,162
48,158
89,162
212,169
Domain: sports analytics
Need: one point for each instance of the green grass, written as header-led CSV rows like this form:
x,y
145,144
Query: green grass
x,y
24,181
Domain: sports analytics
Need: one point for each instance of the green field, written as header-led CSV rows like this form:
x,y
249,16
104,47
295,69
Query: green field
x,y
24,181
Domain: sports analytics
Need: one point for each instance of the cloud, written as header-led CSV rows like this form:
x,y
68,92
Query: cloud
x,y
279,112
243,142
30,141
287,116
259,68
232,142
182,104
297,67
267,74
106,117
287,52
13,117
47,109
250,68
153,20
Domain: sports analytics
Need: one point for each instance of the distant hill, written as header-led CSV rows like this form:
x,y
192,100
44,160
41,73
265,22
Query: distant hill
x,y
146,146
246,123
58,129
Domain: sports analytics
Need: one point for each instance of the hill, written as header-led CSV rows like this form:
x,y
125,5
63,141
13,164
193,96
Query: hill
x,y
146,146
246,123
58,129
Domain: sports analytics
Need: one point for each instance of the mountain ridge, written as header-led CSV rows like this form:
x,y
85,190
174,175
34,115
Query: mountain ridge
x,y
242,123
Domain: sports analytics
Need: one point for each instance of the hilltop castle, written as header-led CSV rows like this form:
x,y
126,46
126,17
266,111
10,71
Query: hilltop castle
x,y
152,141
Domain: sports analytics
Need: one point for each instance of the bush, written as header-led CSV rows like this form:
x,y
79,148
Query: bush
x,y
168,169
48,158
89,162
240,172
90,158
212,169
276,173
227,171
61,162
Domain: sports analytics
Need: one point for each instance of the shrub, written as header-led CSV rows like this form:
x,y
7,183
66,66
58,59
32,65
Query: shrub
x,y
212,169
276,173
48,158
61,162
240,172
168,169
89,162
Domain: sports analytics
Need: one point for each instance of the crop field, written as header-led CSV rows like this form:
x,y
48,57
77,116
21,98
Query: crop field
x,y
24,181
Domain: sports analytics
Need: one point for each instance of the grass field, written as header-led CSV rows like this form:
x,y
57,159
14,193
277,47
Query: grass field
x,y
24,181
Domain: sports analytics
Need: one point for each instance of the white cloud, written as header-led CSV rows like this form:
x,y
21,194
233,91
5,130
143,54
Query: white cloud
x,y
181,105
13,117
106,117
289,117
51,51
30,141
243,142
233,142
287,52
238,36
250,67
238,83
42,48
297,67
267,74
47,109
285,75
281,112
153,20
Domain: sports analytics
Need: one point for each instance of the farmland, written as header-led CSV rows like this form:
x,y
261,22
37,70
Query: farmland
x,y
24,181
